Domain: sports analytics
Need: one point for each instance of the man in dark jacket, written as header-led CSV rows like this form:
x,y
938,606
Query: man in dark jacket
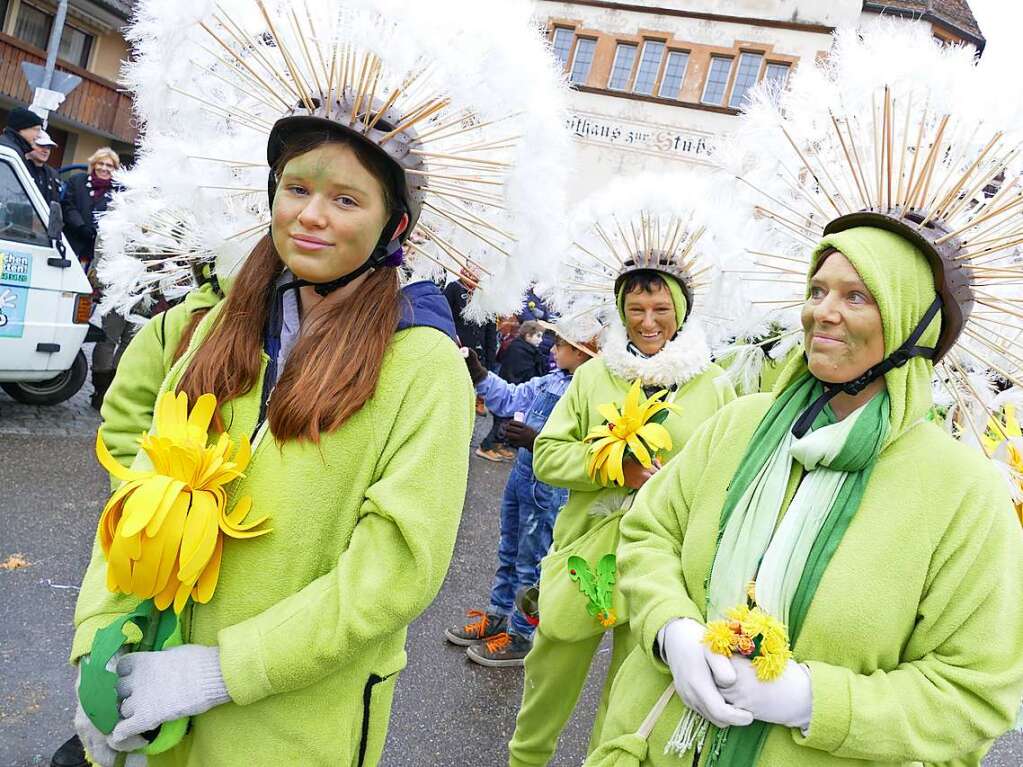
x,y
23,128
45,175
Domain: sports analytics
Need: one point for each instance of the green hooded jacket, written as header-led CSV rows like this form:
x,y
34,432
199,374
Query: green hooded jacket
x,y
311,619
914,638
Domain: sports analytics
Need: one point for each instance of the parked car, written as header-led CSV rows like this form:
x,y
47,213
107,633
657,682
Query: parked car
x,y
45,298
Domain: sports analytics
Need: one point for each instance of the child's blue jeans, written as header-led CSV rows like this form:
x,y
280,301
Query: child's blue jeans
x,y
528,511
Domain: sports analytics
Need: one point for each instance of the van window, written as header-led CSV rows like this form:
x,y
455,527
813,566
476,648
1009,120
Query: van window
x,y
18,218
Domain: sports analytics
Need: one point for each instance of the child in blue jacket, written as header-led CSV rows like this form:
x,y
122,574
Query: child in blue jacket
x,y
501,635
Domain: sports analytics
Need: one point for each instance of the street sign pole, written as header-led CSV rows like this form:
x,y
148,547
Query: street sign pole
x,y
56,32
50,87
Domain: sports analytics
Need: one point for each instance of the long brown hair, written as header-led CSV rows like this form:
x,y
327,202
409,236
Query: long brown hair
x,y
335,364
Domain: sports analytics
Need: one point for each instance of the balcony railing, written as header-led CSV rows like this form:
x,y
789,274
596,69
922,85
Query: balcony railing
x,y
94,105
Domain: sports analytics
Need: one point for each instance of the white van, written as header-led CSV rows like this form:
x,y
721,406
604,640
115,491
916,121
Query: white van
x,y
45,298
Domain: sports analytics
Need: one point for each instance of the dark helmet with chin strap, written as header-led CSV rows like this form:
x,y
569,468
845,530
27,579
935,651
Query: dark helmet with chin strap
x,y
377,127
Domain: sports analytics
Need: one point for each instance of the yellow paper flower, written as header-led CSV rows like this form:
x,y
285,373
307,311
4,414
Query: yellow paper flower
x,y
1004,441
631,428
162,531
720,638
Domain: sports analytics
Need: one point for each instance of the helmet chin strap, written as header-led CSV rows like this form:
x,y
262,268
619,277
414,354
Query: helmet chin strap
x,y
896,359
386,253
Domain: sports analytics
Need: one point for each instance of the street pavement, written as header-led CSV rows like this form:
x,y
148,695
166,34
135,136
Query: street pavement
x,y
447,710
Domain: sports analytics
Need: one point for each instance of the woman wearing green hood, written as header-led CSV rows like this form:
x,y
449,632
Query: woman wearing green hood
x,y
652,339
888,549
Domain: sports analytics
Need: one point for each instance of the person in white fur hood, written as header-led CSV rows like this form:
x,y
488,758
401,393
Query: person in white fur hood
x,y
645,301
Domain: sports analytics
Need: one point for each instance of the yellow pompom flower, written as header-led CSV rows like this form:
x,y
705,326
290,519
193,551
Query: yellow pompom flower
x,y
720,638
162,530
634,429
769,666
755,634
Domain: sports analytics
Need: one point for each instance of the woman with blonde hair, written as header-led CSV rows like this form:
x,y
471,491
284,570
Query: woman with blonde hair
x,y
87,196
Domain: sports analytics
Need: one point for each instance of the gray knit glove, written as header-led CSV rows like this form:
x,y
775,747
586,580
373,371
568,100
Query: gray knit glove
x,y
97,748
158,687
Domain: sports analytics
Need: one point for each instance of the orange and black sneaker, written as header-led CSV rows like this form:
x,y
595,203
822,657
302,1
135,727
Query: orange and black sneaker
x,y
505,649
482,625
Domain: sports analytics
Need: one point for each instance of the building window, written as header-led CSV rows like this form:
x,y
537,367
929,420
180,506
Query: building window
x,y
563,44
33,26
584,49
717,80
674,74
3,13
625,57
75,46
745,78
649,66
777,75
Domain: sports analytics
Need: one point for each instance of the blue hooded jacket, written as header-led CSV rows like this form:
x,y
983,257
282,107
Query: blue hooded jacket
x,y
426,306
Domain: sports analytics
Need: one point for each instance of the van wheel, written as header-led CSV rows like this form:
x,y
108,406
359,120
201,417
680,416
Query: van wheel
x,y
57,389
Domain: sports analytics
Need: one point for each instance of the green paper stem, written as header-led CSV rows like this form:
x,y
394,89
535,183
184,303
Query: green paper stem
x,y
142,630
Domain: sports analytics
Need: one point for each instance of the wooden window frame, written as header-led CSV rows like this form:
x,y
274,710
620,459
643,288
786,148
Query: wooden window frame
x,y
571,47
575,50
664,70
735,72
730,57
627,87
660,66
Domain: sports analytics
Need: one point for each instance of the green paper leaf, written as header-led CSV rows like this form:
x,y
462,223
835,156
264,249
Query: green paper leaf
x,y
97,690
598,588
659,417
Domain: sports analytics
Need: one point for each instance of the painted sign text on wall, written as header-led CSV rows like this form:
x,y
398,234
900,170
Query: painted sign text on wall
x,y
638,136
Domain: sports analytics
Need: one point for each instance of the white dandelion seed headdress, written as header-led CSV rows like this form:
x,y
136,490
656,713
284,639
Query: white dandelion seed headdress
x,y
464,101
663,223
895,132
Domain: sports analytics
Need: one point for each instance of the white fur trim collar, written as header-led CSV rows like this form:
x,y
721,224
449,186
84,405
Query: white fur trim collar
x,y
682,359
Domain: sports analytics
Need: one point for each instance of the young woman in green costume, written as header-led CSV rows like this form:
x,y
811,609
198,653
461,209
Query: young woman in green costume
x,y
651,338
348,385
889,549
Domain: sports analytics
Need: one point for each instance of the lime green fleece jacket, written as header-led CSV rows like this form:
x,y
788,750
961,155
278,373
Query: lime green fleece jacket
x,y
560,455
128,404
311,619
914,640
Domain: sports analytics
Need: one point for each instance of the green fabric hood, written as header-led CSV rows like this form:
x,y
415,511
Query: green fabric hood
x,y
678,297
901,281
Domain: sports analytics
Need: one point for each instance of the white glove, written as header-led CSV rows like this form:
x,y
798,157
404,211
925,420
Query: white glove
x,y
698,673
98,749
158,687
787,700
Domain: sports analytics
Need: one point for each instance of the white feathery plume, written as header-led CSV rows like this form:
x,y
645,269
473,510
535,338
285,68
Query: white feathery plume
x,y
891,121
483,93
674,213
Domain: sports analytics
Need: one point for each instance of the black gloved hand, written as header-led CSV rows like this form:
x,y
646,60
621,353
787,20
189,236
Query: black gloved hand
x,y
476,370
519,435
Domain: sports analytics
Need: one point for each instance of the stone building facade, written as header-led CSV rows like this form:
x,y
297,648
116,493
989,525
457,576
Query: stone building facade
x,y
654,82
